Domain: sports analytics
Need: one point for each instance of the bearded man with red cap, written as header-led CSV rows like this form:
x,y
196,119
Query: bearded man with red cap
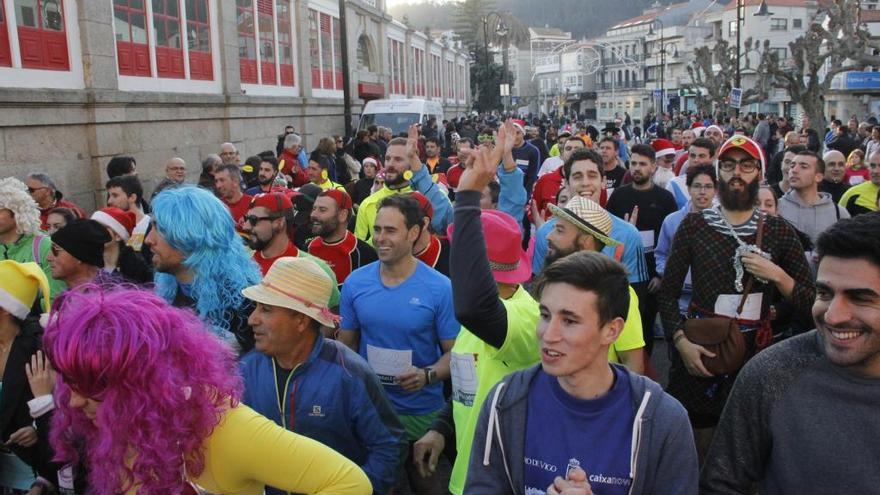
x,y
737,257
266,225
334,243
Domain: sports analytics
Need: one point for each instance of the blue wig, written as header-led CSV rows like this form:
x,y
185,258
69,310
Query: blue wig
x,y
196,223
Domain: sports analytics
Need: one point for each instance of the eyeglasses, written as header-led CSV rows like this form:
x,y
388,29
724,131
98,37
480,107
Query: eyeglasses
x,y
254,220
35,189
745,165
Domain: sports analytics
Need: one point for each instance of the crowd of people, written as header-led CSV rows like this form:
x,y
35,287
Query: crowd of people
x,y
469,307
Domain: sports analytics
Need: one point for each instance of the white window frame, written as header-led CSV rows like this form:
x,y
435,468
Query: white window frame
x,y
19,77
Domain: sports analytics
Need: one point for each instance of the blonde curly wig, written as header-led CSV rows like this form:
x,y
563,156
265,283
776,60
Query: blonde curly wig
x,y
14,197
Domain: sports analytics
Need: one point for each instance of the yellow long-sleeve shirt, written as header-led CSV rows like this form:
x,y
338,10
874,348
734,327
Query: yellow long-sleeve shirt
x,y
247,451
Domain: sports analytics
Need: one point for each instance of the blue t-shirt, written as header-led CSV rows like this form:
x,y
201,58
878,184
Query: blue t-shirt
x,y
413,316
601,447
633,256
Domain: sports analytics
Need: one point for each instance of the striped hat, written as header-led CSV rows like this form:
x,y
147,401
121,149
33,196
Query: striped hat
x,y
588,216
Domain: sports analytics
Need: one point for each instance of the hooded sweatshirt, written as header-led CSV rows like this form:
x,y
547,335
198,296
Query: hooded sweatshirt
x,y
663,459
810,219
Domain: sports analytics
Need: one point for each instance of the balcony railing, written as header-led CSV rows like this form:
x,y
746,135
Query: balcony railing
x,y
621,85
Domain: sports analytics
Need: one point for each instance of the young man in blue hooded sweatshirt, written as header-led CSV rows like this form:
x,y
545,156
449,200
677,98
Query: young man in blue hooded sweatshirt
x,y
541,428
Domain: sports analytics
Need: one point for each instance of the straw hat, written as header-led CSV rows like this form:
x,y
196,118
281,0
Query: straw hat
x,y
296,283
588,216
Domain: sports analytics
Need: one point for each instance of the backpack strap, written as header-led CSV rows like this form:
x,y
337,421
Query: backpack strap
x,y
35,247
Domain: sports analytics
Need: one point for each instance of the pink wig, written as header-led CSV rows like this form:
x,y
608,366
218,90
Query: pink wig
x,y
163,381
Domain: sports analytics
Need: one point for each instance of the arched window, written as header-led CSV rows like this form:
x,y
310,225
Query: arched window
x,y
365,54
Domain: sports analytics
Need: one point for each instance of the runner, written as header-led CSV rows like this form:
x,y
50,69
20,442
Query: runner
x,y
152,398
201,263
296,377
397,314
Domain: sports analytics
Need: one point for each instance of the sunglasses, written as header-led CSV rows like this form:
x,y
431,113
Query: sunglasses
x,y
254,220
56,250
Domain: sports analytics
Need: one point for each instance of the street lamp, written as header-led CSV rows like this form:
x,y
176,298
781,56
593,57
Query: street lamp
x,y
501,30
662,62
762,11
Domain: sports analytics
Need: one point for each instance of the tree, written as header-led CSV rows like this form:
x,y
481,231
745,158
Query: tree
x,y
713,70
834,44
485,84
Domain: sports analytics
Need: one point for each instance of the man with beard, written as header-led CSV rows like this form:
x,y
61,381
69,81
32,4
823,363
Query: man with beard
x,y
585,177
706,243
645,205
266,175
832,183
334,243
714,133
799,416
582,225
404,173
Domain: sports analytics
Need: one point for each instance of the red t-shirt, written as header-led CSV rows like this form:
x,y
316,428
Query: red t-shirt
x,y
266,263
239,209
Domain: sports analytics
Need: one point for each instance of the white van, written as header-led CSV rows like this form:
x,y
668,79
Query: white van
x,y
398,115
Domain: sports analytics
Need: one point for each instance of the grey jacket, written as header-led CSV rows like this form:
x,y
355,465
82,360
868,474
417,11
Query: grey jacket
x,y
663,459
810,219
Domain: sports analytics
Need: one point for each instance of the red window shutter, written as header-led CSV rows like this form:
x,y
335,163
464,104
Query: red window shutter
x,y
264,7
5,53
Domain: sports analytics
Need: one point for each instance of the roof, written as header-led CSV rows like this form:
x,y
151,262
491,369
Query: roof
x,y
548,32
648,17
777,3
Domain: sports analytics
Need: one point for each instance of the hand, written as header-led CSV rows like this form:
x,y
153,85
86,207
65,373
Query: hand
x,y
576,484
692,355
413,380
654,285
40,375
426,452
412,141
26,437
633,217
504,138
761,267
481,173
537,217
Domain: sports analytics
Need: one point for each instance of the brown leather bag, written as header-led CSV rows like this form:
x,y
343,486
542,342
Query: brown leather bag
x,y
721,335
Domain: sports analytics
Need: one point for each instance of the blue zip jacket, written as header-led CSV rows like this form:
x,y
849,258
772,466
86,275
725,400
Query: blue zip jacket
x,y
663,459
335,398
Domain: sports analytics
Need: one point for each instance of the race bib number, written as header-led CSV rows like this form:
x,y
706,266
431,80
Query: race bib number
x,y
388,363
726,305
647,240
463,368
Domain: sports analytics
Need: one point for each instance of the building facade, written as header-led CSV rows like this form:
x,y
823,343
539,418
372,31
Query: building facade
x,y
82,81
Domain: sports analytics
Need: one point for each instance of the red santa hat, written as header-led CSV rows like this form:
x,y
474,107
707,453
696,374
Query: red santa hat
x,y
120,222
663,147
